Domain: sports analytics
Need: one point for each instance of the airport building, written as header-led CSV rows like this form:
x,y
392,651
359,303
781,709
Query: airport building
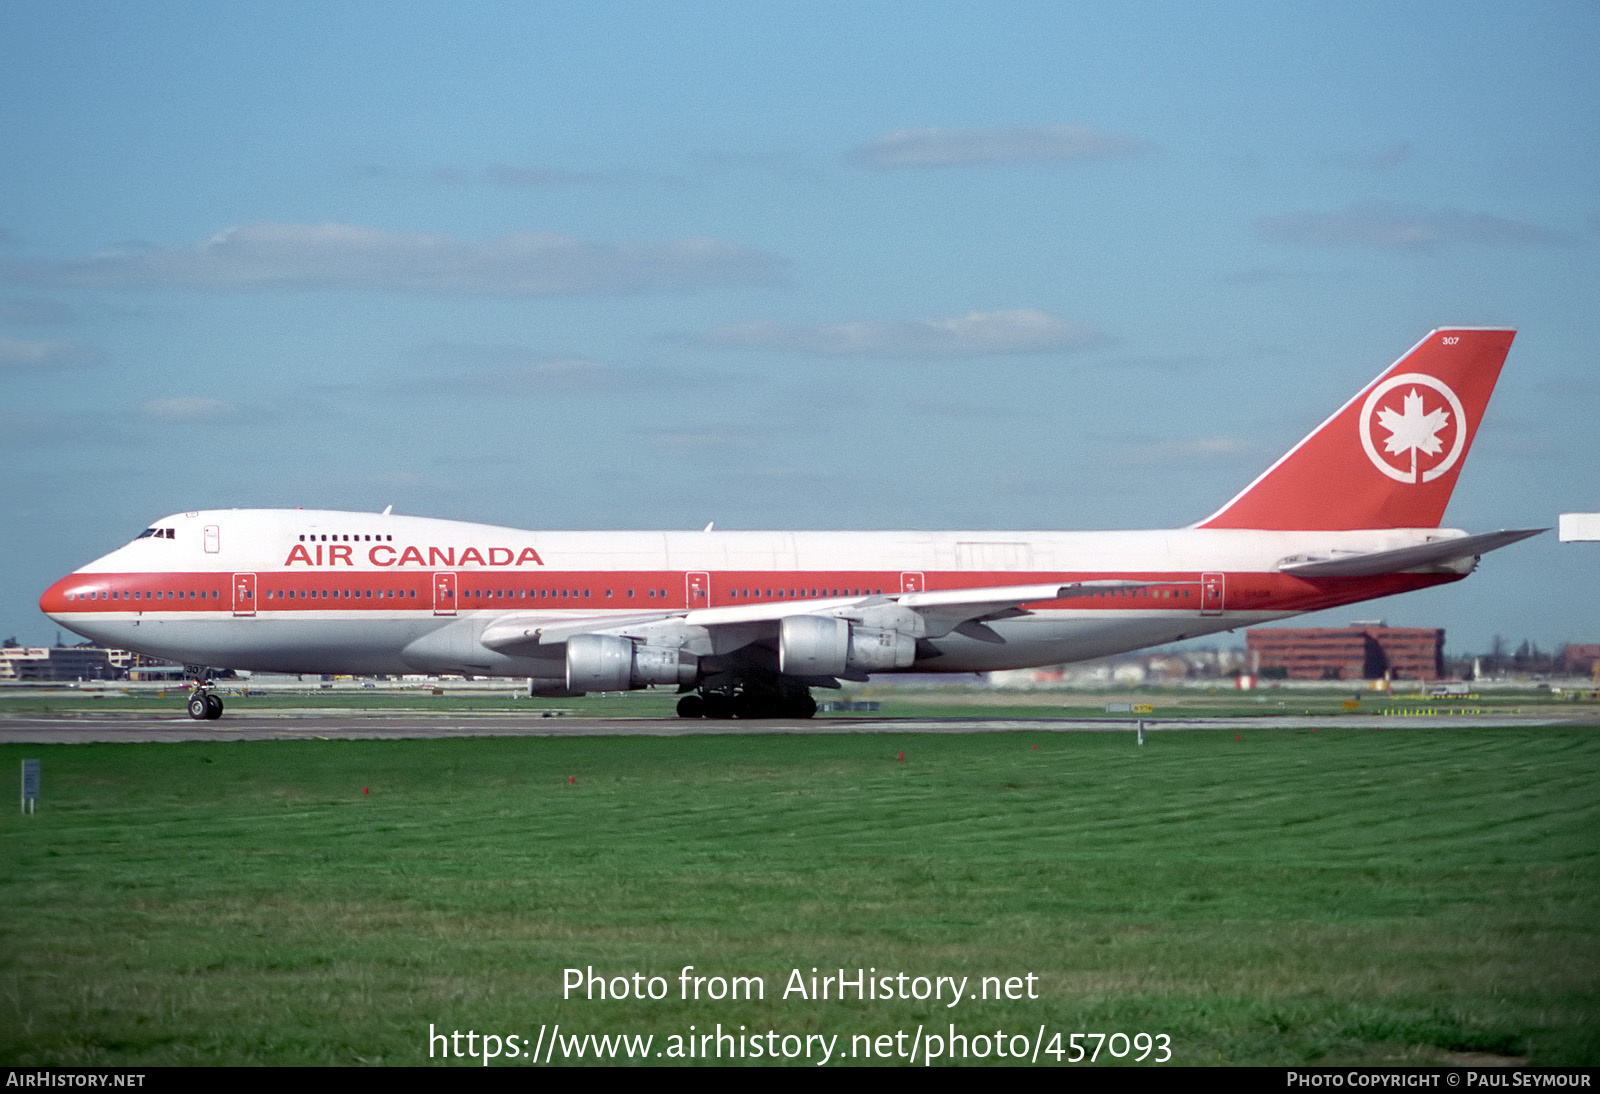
x,y
58,664
1583,659
1361,651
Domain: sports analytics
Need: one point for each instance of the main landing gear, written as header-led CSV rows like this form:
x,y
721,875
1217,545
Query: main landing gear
x,y
749,699
204,705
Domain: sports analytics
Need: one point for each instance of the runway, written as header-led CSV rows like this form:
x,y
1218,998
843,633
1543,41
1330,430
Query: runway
x,y
292,725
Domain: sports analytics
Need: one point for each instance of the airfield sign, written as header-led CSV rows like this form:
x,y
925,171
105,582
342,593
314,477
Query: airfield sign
x,y
30,785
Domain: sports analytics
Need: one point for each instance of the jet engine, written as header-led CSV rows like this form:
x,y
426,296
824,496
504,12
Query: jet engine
x,y
603,662
816,645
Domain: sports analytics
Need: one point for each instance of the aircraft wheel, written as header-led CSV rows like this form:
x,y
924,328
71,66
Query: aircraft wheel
x,y
199,709
213,707
803,707
691,706
718,706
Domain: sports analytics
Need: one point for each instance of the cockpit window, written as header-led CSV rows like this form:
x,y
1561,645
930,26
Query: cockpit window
x,y
158,533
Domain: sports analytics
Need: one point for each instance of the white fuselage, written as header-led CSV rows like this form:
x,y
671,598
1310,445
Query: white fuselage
x,y
334,592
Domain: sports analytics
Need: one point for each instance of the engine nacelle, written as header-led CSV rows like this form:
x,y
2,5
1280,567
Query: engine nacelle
x,y
816,645
873,650
813,645
603,662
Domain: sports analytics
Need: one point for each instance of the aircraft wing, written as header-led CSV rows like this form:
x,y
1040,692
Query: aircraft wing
x,y
939,611
946,610
1439,553
530,629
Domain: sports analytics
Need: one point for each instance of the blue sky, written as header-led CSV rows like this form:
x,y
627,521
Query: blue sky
x,y
808,266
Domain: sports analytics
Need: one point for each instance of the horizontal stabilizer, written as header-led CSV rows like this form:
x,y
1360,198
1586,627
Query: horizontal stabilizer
x,y
1440,552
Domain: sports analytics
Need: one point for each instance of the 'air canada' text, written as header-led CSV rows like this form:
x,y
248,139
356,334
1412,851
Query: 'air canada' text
x,y
383,554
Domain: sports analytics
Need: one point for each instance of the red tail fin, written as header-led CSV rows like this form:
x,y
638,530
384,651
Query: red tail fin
x,y
1390,456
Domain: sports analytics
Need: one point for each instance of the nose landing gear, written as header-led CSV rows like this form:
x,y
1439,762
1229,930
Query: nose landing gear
x,y
203,705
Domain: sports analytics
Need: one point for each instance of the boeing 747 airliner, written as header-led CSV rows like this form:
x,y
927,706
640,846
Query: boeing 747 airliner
x,y
746,623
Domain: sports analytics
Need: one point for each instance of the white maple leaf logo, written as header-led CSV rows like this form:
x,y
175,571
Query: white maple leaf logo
x,y
1412,430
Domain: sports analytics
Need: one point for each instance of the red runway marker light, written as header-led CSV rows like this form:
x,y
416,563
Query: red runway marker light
x,y
1235,736
902,757
572,780
363,790
1036,748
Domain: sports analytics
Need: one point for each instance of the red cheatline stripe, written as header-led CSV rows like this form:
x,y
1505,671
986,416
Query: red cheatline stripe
x,y
389,591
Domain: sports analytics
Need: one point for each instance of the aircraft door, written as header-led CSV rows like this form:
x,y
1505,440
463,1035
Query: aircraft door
x,y
697,590
444,593
911,582
213,539
244,594
1212,588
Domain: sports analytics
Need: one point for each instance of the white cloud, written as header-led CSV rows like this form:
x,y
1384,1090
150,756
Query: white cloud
x,y
347,256
1187,450
186,408
1389,226
24,353
1019,330
943,147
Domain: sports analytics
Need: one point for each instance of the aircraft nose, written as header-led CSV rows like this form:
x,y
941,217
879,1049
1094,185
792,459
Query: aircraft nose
x,y
53,601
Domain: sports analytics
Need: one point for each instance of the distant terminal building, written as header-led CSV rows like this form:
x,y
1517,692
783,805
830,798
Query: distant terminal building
x,y
23,662
1582,658
58,664
1361,651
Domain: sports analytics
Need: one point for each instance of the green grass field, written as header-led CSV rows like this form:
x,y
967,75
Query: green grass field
x,y
1334,897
